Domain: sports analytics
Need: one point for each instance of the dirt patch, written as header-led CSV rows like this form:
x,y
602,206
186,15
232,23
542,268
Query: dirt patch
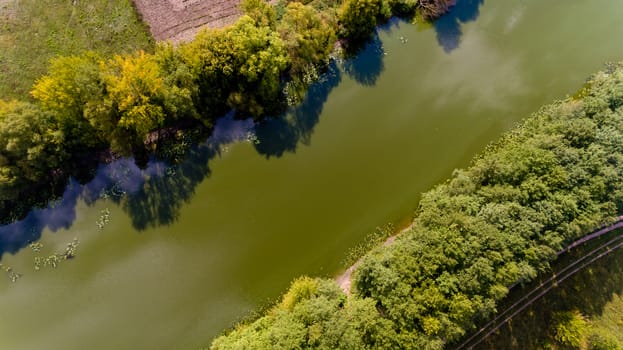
x,y
345,279
180,20
8,9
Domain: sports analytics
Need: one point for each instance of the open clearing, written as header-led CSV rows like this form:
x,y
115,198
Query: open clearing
x,y
34,31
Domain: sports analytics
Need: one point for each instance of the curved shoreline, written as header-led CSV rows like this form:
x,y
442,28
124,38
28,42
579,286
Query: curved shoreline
x,y
344,279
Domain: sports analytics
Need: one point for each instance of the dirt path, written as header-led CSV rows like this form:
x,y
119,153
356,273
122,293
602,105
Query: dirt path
x,y
180,20
345,279
7,10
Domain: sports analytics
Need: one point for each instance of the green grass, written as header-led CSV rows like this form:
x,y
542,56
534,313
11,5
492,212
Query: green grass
x,y
610,322
34,31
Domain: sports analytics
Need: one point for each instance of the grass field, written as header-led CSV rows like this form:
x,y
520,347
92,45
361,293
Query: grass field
x,y
34,31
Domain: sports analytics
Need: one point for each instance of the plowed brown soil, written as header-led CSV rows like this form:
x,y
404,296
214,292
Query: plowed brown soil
x,y
180,20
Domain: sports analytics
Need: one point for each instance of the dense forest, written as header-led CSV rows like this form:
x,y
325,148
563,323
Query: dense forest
x,y
493,225
256,67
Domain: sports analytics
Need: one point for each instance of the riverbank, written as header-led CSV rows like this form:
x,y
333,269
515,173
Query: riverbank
x,y
344,280
263,215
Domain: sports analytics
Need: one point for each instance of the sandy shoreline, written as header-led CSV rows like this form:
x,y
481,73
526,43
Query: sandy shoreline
x,y
344,280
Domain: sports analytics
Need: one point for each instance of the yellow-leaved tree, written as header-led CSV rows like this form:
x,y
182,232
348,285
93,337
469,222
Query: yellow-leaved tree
x,y
73,90
135,96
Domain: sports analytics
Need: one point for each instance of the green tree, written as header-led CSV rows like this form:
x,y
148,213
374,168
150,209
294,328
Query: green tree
x,y
72,88
307,36
260,59
261,12
569,328
598,341
301,289
238,67
31,146
181,90
358,18
210,58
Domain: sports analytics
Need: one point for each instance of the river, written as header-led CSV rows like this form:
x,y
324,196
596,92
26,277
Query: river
x,y
168,257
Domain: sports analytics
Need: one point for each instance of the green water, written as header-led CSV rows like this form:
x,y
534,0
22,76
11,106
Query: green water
x,y
186,254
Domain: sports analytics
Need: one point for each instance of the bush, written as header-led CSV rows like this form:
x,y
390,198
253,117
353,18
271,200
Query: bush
x,y
301,289
357,19
569,328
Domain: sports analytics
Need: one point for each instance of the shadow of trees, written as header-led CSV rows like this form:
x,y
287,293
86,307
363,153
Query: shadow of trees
x,y
448,26
59,214
587,291
109,181
151,196
367,65
276,136
159,199
155,195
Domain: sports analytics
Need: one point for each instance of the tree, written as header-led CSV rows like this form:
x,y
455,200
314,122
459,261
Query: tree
x,y
358,18
210,59
308,38
134,101
72,88
569,328
606,341
261,12
240,65
31,145
260,58
181,89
